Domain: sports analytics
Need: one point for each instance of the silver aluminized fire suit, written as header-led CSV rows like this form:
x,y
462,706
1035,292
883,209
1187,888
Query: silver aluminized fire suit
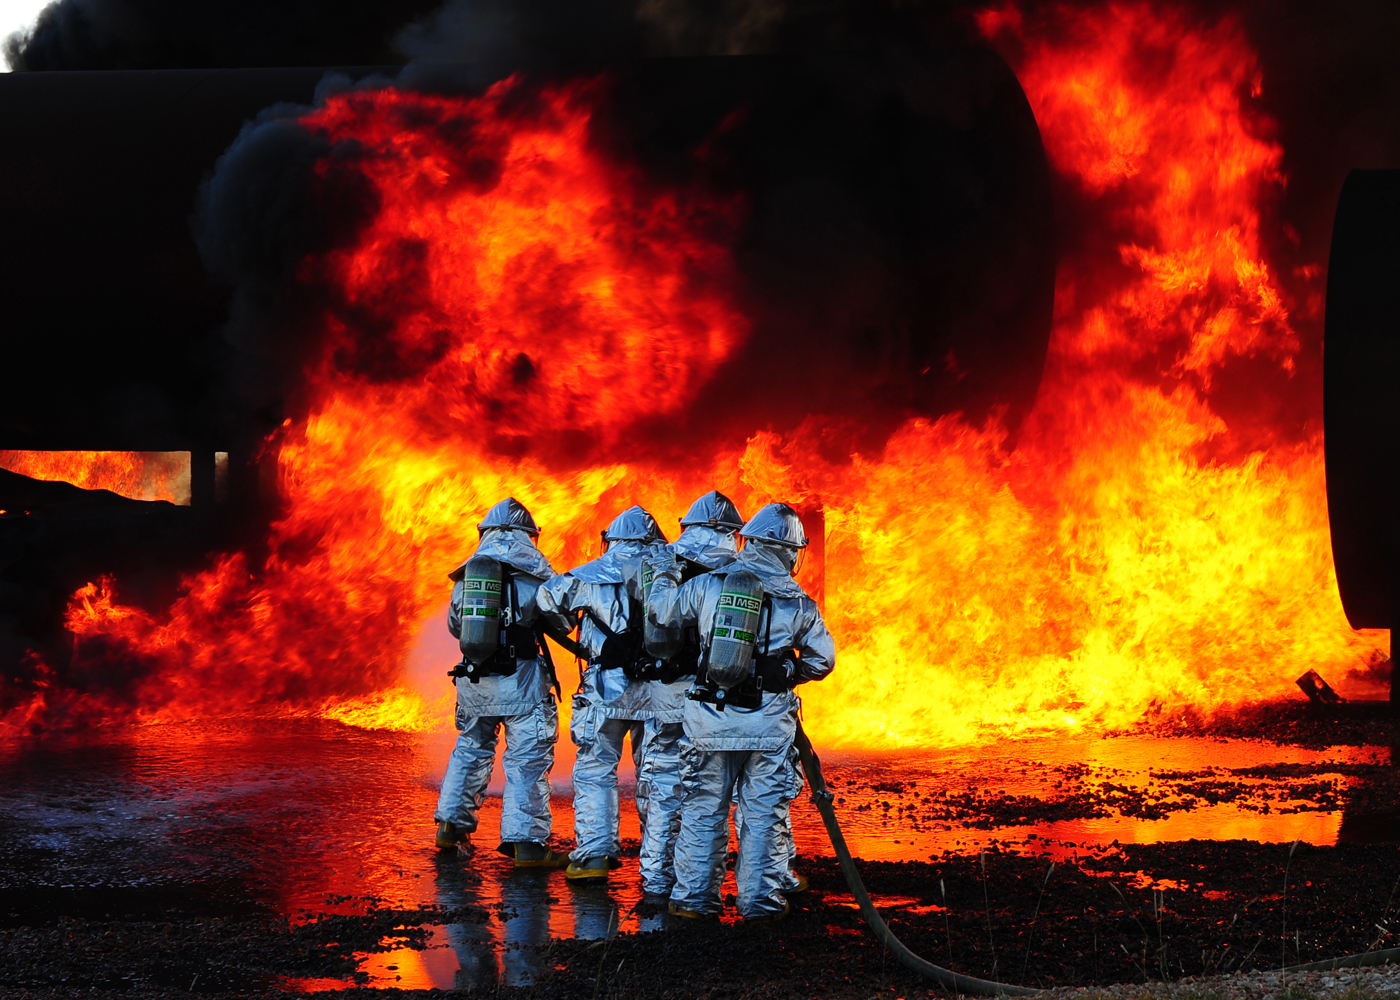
x,y
521,704
737,749
608,706
707,542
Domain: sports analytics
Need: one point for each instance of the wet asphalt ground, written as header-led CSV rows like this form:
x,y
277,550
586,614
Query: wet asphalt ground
x,y
267,855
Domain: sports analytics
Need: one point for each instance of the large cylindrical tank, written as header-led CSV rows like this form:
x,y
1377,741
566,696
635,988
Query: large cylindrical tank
x,y
897,255
1361,372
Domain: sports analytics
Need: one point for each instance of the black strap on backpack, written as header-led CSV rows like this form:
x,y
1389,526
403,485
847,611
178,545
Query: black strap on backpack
x,y
621,650
547,659
685,663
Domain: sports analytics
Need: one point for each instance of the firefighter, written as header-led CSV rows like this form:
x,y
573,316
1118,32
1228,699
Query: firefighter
x,y
762,635
613,702
708,540
508,687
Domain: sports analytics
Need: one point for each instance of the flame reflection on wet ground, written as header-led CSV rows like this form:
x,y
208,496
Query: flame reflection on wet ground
x,y
307,815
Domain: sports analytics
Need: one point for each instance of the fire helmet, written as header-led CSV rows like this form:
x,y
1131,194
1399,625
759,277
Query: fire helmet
x,y
511,515
633,525
777,523
714,510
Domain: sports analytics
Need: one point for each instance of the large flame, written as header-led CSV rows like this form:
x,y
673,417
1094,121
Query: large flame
x,y
517,286
140,475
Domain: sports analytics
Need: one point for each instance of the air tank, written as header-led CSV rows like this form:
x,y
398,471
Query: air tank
x,y
660,642
481,609
735,629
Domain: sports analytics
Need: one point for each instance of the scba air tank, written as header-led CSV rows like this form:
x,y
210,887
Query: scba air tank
x,y
481,609
735,629
661,643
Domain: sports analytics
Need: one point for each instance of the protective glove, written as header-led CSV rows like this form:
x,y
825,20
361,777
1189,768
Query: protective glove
x,y
661,561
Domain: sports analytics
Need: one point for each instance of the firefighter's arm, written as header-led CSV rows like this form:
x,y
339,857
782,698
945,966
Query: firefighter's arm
x,y
556,599
818,650
669,604
527,589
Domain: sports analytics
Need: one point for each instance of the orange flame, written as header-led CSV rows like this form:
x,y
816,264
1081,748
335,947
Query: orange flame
x,y
140,475
1129,553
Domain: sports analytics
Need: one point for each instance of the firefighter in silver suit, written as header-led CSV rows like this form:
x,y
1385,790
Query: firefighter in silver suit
x,y
739,739
514,696
610,705
708,540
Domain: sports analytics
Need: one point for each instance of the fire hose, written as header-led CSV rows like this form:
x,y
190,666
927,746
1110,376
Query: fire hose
x,y
955,981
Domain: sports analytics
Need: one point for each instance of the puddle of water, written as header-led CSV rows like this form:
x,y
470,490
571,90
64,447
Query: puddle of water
x,y
437,966
905,904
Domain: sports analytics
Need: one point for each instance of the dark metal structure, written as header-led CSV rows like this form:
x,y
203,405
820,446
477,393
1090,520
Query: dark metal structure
x,y
1362,362
1361,371
898,255
109,312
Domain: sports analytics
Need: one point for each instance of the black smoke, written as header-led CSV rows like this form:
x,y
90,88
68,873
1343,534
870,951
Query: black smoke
x,y
180,34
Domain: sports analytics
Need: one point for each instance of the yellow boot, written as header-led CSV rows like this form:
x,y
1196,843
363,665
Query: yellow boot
x,y
528,854
450,835
589,870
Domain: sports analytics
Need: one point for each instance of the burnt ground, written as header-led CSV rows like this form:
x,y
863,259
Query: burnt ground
x,y
1135,913
1290,722
1366,792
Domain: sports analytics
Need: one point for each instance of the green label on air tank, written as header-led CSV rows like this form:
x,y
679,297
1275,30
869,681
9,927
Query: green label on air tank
x,y
741,601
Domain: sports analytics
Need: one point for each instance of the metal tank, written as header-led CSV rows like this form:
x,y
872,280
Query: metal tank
x,y
661,642
1361,369
735,630
481,609
897,251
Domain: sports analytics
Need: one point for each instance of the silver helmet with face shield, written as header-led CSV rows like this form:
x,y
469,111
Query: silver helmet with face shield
x,y
714,510
511,515
778,526
635,524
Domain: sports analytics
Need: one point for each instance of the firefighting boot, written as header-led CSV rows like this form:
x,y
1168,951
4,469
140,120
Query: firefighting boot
x,y
528,854
589,870
676,910
450,835
770,918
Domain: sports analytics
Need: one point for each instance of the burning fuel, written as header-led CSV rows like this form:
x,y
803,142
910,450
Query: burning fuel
x,y
521,303
140,475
